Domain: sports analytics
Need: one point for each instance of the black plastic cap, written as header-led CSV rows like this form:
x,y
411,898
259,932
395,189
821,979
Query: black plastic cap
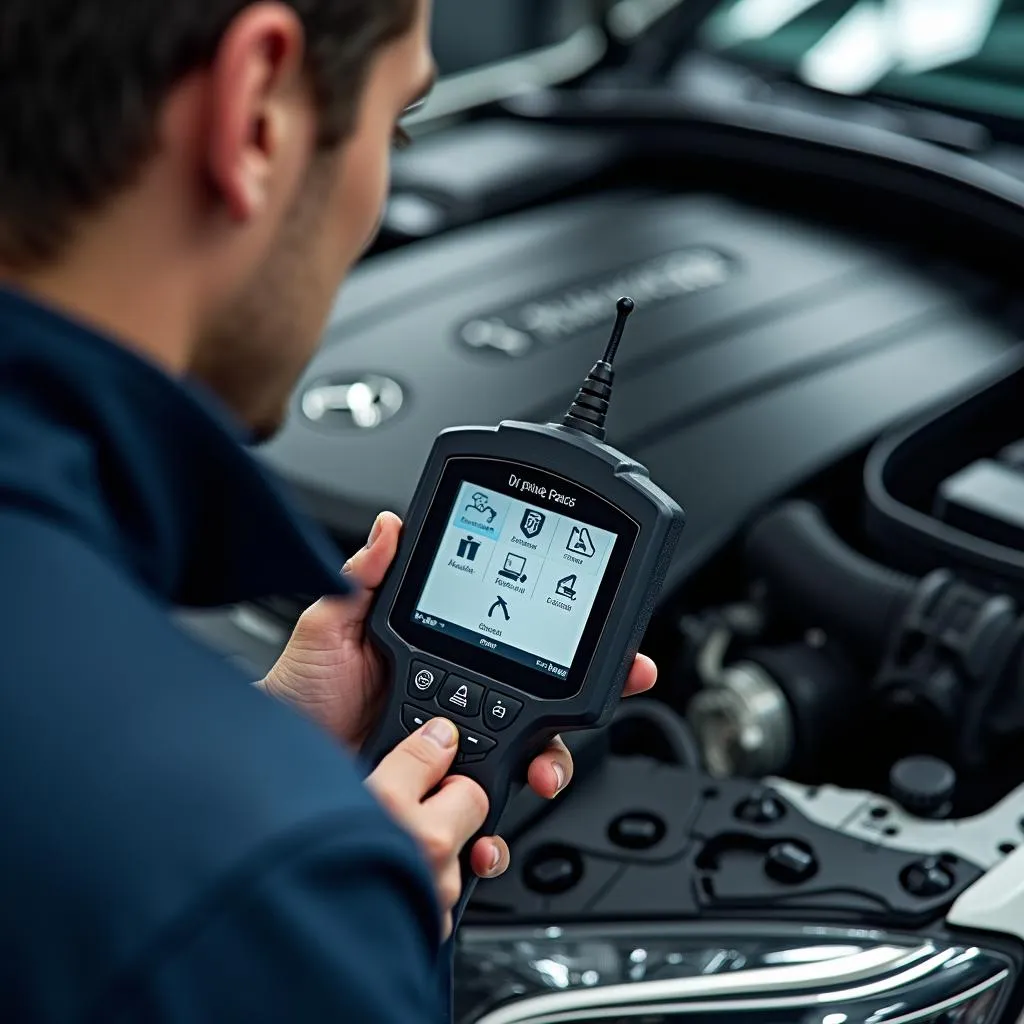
x,y
923,786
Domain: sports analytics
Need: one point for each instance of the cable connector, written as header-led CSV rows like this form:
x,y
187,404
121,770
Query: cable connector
x,y
589,410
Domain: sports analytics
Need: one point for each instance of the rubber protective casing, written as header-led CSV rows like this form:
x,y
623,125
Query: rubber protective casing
x,y
598,468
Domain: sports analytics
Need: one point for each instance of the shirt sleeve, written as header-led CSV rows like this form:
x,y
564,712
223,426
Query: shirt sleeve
x,y
344,928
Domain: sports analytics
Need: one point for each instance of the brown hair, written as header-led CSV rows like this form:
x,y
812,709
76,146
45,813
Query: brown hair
x,y
82,81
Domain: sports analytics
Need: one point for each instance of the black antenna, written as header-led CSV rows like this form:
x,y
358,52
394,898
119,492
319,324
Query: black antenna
x,y
588,412
623,308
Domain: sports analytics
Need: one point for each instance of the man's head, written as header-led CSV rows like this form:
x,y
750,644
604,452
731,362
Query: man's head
x,y
198,176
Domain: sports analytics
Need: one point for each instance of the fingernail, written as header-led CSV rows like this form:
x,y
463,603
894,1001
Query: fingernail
x,y
441,732
378,525
495,858
559,775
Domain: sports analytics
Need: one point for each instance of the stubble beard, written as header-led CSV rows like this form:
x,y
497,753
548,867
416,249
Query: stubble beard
x,y
254,353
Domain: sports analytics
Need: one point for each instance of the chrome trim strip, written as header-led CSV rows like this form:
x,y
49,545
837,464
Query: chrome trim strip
x,y
911,964
952,1001
501,80
630,19
721,1006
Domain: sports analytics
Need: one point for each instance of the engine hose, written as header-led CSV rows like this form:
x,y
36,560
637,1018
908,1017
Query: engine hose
x,y
668,726
820,581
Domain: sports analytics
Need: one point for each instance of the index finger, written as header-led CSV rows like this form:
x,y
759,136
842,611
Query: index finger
x,y
459,809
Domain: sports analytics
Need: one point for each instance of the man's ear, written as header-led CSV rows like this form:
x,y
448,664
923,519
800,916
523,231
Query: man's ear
x,y
260,107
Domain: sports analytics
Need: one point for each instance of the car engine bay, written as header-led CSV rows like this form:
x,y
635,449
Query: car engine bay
x,y
828,378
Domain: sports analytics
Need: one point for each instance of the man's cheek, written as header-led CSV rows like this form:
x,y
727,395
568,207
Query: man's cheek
x,y
377,228
379,203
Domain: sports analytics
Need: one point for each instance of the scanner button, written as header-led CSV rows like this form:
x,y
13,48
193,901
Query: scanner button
x,y
500,711
424,680
413,718
461,697
473,746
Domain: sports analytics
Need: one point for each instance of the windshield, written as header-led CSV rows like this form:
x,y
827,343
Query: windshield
x,y
962,55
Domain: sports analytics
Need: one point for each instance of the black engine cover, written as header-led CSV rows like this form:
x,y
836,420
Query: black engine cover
x,y
762,350
636,839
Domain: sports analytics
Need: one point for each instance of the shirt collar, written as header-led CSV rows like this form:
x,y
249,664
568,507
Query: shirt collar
x,y
151,471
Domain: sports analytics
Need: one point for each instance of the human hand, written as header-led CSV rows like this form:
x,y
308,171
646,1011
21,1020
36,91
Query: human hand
x,y
331,672
441,823
329,669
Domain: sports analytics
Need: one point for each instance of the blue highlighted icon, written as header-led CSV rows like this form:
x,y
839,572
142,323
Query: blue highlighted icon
x,y
479,511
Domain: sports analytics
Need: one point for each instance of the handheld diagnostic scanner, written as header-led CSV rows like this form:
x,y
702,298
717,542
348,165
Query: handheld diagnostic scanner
x,y
530,563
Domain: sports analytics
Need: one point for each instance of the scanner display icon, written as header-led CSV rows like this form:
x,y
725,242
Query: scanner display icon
x,y
468,547
481,504
514,568
532,523
581,543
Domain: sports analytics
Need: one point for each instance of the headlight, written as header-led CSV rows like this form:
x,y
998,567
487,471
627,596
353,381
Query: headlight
x,y
649,974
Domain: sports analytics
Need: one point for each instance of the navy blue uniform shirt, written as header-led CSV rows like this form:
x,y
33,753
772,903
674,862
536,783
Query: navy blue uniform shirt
x,y
175,846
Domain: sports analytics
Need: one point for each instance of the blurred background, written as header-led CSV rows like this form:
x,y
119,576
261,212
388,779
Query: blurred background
x,y
469,34
960,54
818,206
719,158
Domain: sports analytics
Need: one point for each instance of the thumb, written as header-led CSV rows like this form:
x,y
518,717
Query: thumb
x,y
417,765
369,565
333,620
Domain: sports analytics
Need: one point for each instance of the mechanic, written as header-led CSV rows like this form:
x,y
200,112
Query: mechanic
x,y
183,187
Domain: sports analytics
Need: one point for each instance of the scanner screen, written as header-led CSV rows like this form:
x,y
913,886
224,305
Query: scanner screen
x,y
513,578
